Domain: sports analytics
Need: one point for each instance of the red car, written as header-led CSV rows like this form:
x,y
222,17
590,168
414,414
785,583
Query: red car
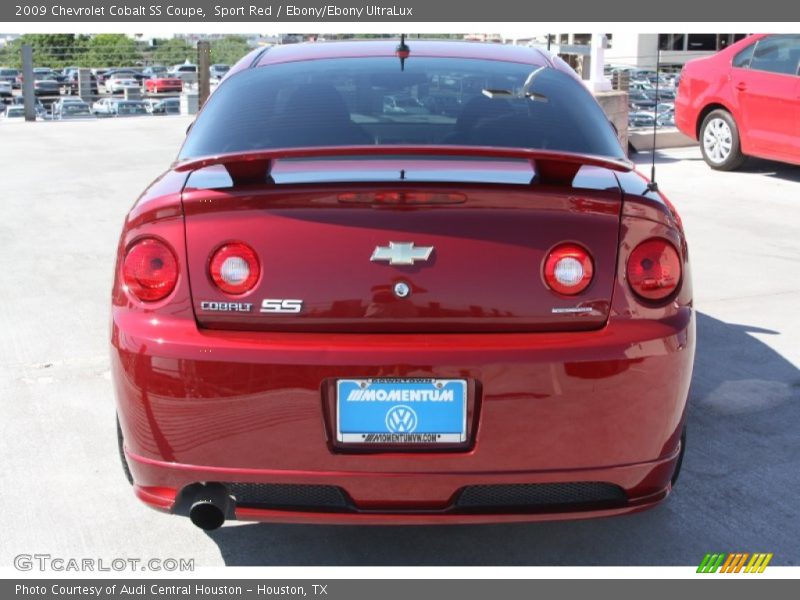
x,y
744,101
163,84
325,312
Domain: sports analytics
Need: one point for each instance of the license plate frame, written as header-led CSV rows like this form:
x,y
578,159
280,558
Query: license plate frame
x,y
426,424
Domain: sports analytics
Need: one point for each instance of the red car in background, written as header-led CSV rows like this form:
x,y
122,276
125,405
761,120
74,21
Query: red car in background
x,y
158,85
744,101
326,311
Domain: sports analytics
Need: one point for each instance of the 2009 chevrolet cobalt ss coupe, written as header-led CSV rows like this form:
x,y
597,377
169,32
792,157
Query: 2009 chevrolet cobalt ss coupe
x,y
401,284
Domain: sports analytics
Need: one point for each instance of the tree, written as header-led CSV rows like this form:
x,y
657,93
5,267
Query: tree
x,y
229,49
55,50
172,52
111,50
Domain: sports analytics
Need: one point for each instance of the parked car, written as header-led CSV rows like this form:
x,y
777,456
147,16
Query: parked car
x,y
10,76
6,90
130,108
218,71
64,100
125,72
663,107
74,111
640,100
13,113
186,71
105,107
17,112
44,85
158,85
117,83
149,103
100,74
505,330
154,71
641,119
40,109
663,94
666,119
71,82
744,101
167,106
640,86
44,73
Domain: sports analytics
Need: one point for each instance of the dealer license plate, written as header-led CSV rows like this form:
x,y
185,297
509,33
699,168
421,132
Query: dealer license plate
x,y
401,411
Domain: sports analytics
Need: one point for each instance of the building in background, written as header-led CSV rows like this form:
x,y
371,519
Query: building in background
x,y
641,49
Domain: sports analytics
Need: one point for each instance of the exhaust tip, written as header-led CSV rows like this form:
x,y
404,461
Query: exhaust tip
x,y
206,504
206,515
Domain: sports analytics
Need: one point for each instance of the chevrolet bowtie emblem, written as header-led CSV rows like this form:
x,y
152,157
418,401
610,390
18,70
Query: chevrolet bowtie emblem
x,y
401,253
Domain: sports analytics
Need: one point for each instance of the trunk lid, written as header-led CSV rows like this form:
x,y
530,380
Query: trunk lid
x,y
320,243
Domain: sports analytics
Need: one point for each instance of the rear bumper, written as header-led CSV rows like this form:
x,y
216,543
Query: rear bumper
x,y
209,406
686,113
647,485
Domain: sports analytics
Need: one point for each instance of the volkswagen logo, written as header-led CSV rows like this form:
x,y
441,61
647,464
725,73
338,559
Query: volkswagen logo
x,y
401,419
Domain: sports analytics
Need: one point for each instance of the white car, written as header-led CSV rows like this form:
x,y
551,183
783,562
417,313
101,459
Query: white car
x,y
105,107
186,72
15,112
5,89
149,103
218,71
118,83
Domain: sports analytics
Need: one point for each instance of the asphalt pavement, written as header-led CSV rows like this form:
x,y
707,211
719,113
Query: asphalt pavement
x,y
65,190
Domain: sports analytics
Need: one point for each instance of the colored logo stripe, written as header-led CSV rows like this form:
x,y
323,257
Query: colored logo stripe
x,y
733,562
710,563
758,563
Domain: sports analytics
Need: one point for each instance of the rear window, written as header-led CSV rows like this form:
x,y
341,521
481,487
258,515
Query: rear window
x,y
433,101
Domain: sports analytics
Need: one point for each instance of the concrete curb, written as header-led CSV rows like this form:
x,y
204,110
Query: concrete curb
x,y
666,137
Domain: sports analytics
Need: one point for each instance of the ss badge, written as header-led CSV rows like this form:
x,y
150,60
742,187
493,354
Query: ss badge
x,y
281,306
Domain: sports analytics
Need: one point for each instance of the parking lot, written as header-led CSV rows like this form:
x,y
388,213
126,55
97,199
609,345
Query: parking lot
x,y
66,188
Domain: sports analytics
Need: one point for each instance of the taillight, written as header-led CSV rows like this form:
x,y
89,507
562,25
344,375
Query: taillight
x,y
654,269
234,268
568,269
150,270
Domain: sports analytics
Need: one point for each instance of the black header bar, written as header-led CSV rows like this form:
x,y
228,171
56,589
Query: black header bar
x,y
395,11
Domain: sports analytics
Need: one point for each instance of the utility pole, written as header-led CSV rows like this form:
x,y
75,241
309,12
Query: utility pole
x,y
27,82
203,72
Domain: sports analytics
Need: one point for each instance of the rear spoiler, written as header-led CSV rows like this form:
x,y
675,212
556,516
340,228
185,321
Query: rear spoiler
x,y
549,166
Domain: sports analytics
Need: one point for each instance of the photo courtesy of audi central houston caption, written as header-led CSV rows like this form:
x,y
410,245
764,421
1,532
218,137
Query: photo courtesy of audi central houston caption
x,y
340,305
